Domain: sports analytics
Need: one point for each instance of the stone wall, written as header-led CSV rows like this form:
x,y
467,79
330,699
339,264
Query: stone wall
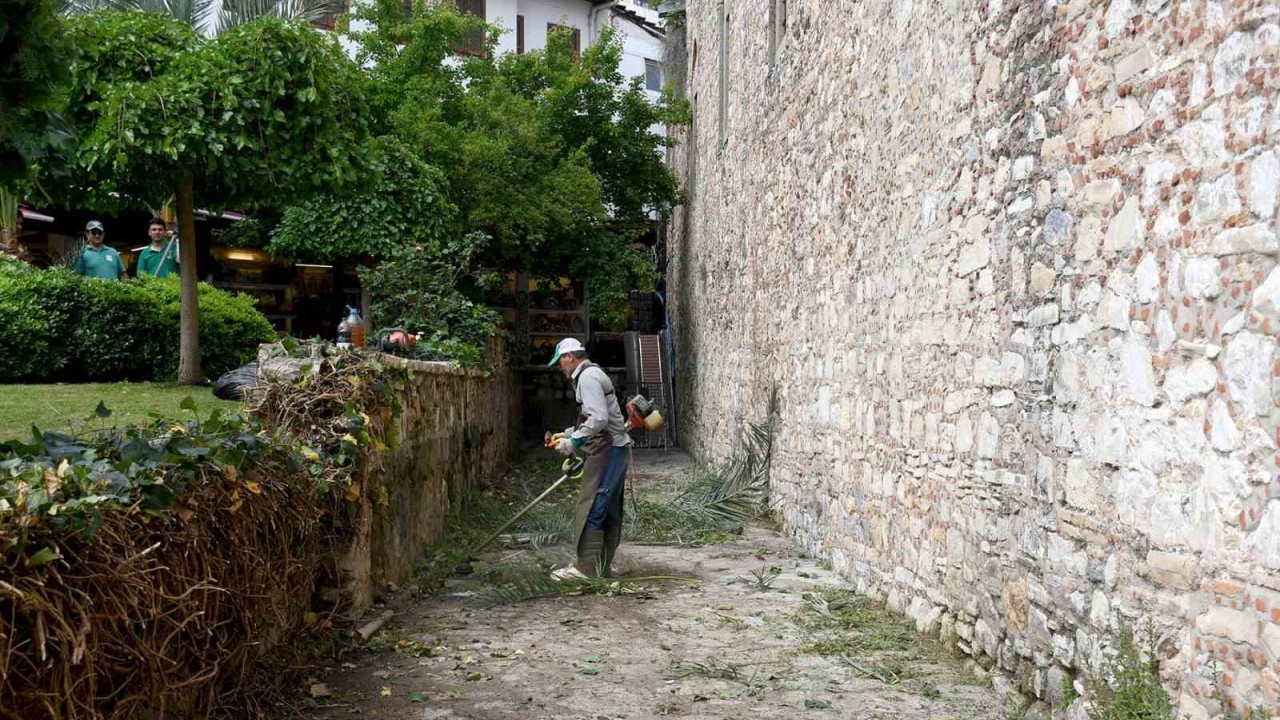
x,y
454,432
1011,267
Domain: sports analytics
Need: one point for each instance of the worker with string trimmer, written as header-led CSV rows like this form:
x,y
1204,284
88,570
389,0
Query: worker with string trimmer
x,y
601,435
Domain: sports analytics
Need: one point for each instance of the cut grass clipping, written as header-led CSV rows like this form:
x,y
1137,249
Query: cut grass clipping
x,y
704,508
871,640
534,583
753,684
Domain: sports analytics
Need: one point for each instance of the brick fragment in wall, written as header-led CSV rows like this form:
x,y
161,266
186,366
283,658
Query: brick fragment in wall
x,y
1050,253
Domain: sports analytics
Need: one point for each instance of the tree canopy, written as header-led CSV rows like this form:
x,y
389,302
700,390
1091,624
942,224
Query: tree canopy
x,y
552,159
33,69
264,114
259,114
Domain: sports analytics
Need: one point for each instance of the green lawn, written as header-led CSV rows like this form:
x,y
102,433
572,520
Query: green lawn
x,y
57,407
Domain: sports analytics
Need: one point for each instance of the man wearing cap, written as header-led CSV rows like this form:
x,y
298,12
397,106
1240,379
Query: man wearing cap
x,y
97,259
601,435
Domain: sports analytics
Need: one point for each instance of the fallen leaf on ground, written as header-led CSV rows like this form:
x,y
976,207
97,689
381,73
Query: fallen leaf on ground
x,y
386,691
590,671
724,607
320,690
417,697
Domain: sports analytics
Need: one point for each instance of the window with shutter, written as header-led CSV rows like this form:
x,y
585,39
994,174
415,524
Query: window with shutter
x,y
575,42
520,34
330,22
473,41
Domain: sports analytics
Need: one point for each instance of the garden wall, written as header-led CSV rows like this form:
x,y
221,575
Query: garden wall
x,y
455,430
1012,269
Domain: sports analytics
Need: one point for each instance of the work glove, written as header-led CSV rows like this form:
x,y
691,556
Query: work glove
x,y
565,446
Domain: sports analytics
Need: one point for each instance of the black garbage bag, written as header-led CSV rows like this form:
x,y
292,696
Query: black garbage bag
x,y
232,385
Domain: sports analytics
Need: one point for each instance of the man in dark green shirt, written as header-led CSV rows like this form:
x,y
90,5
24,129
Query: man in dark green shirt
x,y
161,258
97,259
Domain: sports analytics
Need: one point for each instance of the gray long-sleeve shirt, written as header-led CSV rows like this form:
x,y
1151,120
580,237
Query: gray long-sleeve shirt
x,y
599,410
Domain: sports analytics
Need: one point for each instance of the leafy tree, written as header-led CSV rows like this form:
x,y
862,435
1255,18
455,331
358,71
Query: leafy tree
x,y
403,202
551,158
32,69
426,290
213,17
261,114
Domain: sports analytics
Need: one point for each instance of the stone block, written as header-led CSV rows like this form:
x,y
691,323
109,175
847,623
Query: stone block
x,y
1123,118
1216,200
1053,151
1043,316
1248,369
1134,63
1200,278
1234,625
1194,379
1224,436
1176,570
1101,193
1088,238
988,436
973,257
1043,277
1080,486
1271,640
1137,378
1264,175
1252,239
1146,279
1265,539
1203,143
1266,298
1232,60
1126,230
1113,311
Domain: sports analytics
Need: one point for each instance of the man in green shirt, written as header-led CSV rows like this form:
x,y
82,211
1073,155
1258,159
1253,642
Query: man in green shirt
x,y
97,259
161,258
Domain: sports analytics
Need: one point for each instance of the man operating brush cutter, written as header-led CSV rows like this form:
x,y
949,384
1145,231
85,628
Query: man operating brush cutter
x,y
601,436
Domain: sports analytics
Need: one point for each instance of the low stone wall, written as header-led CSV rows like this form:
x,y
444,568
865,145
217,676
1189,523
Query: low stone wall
x,y
453,432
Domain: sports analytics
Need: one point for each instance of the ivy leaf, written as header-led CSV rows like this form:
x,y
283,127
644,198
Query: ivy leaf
x,y
188,403
102,411
43,557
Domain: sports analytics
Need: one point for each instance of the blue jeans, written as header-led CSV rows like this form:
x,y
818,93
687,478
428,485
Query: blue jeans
x,y
606,509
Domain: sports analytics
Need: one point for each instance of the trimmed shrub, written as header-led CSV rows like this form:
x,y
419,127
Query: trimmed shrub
x,y
55,325
36,310
231,328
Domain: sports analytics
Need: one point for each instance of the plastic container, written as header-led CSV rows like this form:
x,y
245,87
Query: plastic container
x,y
351,330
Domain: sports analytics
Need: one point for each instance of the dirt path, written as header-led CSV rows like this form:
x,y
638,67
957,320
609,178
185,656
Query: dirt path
x,y
724,647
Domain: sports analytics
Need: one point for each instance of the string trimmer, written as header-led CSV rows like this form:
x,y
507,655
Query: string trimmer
x,y
572,468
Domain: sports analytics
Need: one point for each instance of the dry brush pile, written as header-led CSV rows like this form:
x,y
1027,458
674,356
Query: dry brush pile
x,y
153,572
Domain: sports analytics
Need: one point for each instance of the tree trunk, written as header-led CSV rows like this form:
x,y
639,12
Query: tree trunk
x,y
189,338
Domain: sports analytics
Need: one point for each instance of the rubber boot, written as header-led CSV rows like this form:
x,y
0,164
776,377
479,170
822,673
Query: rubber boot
x,y
612,538
591,553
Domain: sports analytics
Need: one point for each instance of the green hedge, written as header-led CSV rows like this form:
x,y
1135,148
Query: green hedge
x,y
58,326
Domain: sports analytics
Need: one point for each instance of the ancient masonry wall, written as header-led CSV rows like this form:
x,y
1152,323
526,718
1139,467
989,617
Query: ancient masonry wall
x,y
454,433
1011,267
